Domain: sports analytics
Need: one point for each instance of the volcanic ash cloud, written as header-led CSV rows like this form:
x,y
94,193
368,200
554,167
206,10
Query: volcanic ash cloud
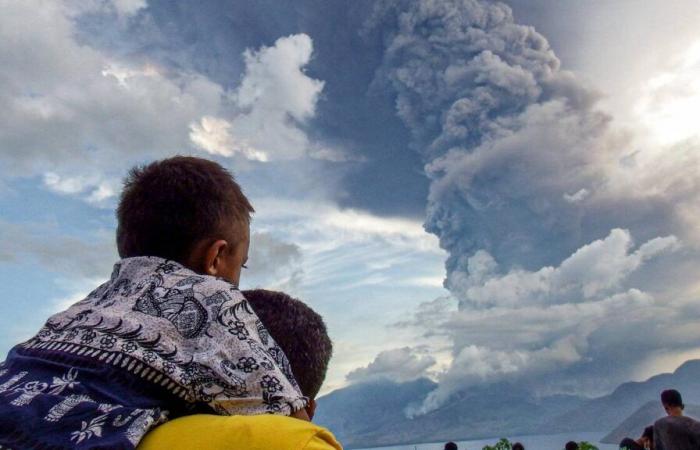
x,y
525,195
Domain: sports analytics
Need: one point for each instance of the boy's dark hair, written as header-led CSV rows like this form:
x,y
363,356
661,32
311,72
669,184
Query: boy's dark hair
x,y
649,433
672,397
518,446
571,445
300,333
168,206
451,446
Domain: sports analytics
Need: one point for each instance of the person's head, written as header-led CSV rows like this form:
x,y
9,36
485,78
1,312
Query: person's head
x,y
188,210
451,446
301,334
571,445
518,446
648,437
673,402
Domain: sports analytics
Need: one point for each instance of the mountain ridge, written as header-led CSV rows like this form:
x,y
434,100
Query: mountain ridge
x,y
603,413
495,407
373,413
646,415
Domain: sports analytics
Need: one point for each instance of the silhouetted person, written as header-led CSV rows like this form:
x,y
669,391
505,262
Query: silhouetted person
x,y
571,445
644,442
647,439
451,446
675,431
518,446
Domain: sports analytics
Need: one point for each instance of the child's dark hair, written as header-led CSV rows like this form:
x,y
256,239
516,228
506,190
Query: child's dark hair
x,y
300,333
168,206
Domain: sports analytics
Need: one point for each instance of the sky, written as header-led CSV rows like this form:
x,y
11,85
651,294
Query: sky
x,y
469,190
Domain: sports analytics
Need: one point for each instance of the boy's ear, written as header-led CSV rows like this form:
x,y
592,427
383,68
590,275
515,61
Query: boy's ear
x,y
213,257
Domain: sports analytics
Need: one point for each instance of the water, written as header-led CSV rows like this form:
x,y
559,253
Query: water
x,y
538,442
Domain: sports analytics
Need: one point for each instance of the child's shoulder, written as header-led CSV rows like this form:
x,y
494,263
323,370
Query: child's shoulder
x,y
166,289
173,276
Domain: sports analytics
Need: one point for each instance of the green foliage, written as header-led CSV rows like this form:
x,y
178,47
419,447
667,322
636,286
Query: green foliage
x,y
586,446
503,444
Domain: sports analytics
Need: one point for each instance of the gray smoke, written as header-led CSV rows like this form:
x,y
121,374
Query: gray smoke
x,y
525,196
509,137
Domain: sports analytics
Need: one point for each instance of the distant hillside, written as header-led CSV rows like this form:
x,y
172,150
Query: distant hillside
x,y
372,414
362,410
643,417
605,412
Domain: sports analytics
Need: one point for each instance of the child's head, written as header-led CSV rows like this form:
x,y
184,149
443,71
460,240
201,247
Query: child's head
x,y
186,209
300,333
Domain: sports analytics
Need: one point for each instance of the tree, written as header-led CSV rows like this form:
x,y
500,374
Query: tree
x,y
586,446
503,444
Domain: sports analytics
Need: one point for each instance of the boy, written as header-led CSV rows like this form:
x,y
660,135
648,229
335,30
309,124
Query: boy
x,y
168,335
301,334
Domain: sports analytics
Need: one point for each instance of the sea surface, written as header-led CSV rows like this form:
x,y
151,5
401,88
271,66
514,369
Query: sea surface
x,y
536,442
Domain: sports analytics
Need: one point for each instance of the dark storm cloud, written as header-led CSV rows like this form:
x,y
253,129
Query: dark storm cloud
x,y
210,37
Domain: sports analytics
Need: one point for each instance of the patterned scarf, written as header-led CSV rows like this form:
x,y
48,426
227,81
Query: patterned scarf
x,y
155,341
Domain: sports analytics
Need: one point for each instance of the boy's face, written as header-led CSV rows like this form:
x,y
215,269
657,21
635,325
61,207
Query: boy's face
x,y
235,258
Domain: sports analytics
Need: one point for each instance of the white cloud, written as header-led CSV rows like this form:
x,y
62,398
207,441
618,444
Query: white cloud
x,y
212,135
579,196
79,116
350,249
534,325
274,77
671,101
340,226
70,185
273,101
433,281
596,268
72,110
92,188
474,364
398,365
357,268
126,8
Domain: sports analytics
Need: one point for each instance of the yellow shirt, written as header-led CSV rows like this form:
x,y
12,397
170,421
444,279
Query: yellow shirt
x,y
264,432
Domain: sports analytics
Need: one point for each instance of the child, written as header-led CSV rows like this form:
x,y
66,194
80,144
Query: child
x,y
168,335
